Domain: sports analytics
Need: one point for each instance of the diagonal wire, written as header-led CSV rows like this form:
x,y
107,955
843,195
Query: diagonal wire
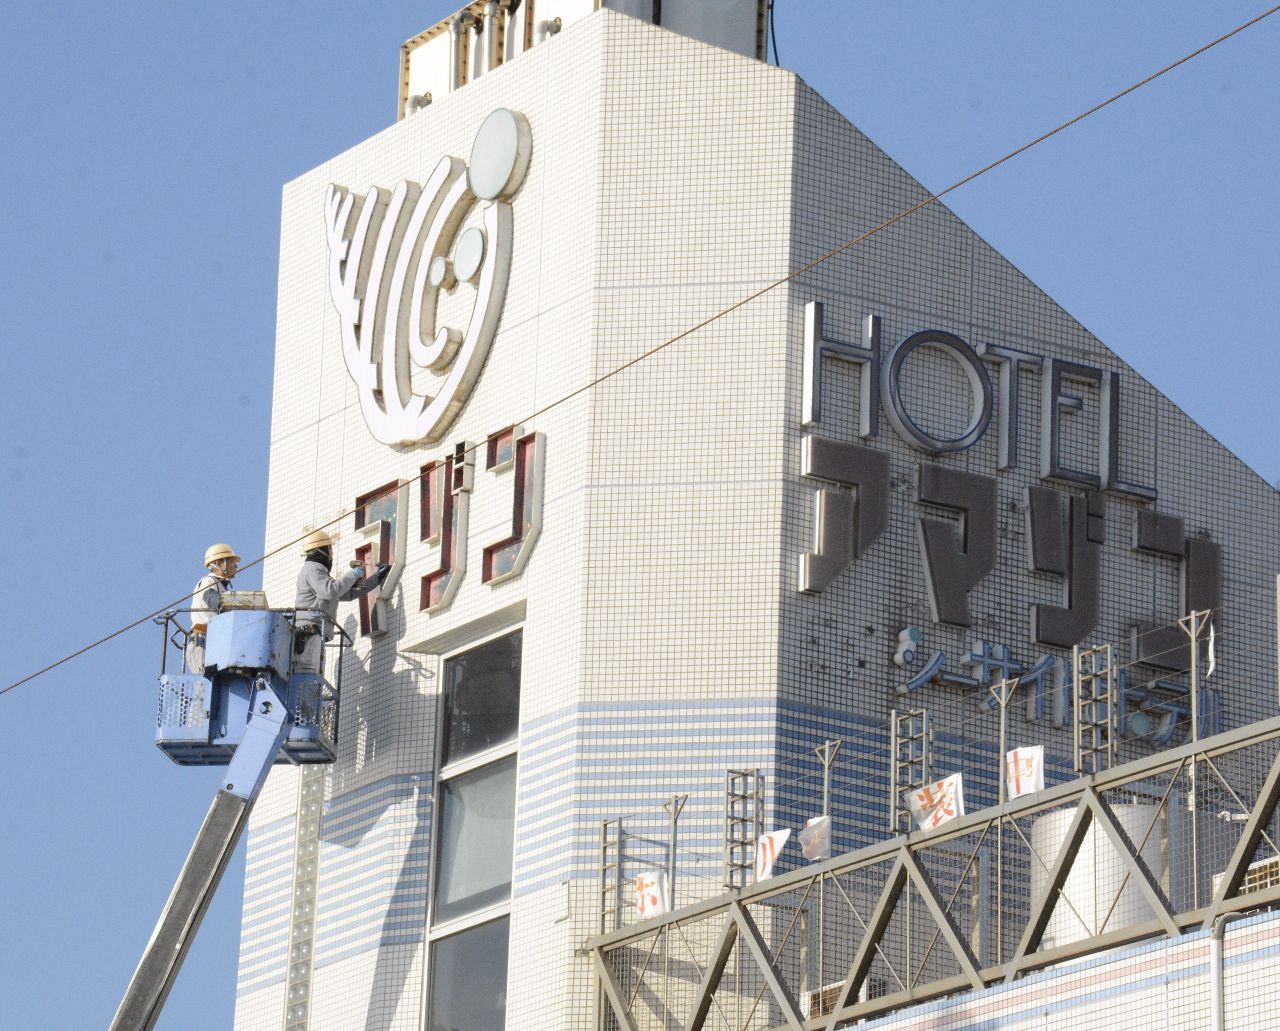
x,y
742,302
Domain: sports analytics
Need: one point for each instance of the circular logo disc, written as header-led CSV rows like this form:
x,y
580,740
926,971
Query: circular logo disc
x,y
499,156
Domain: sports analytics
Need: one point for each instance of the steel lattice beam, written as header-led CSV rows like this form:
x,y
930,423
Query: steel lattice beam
x,y
905,853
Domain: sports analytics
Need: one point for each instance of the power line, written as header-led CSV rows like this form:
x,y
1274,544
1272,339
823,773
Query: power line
x,y
742,302
176,603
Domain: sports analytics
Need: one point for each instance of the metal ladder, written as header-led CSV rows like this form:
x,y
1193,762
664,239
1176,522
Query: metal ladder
x,y
909,747
1093,672
743,825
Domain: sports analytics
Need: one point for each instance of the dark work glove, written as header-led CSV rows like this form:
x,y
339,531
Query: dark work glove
x,y
381,572
301,633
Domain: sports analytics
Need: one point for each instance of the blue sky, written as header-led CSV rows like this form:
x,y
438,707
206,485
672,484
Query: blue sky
x,y
145,146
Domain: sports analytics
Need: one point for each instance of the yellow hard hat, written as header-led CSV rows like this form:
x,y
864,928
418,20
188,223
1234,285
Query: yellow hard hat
x,y
217,552
316,539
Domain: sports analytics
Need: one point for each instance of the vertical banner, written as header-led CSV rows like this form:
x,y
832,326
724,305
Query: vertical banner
x,y
651,895
767,849
815,838
1024,771
937,803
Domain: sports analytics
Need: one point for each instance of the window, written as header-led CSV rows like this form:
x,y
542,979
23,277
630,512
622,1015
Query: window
x,y
468,989
482,698
475,837
477,825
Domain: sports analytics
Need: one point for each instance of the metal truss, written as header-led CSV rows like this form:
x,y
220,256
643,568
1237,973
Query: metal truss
x,y
1097,863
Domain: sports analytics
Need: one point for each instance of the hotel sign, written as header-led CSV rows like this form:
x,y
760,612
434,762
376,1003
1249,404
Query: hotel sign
x,y
1065,531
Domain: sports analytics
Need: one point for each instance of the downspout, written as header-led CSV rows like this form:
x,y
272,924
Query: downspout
x,y
458,27
492,55
1217,1009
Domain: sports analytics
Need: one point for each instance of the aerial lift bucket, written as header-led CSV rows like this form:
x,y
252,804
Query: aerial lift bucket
x,y
246,710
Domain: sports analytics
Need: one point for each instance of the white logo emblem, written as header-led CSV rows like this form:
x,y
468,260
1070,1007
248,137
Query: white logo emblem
x,y
391,257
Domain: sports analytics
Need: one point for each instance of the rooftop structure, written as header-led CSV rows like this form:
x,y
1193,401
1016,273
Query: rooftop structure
x,y
487,34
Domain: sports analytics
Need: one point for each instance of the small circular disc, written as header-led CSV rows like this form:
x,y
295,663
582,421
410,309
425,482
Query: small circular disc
x,y
468,255
438,272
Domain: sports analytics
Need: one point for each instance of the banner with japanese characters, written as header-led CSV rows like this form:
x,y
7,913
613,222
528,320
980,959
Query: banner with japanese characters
x,y
1024,771
651,895
815,838
767,849
937,803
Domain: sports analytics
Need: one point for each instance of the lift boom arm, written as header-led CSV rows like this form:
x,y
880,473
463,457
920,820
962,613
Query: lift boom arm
x,y
264,733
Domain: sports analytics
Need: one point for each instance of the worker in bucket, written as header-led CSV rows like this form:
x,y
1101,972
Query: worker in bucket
x,y
318,596
206,600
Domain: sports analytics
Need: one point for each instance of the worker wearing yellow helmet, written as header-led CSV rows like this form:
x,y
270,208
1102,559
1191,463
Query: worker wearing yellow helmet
x,y
318,595
221,561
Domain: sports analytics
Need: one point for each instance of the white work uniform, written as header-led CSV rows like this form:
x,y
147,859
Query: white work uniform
x,y
206,602
317,605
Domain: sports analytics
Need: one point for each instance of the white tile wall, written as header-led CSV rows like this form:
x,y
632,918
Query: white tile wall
x,y
664,637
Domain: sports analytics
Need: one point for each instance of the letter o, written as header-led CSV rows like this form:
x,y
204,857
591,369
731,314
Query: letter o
x,y
979,385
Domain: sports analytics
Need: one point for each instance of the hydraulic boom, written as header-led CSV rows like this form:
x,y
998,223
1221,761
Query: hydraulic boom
x,y
246,710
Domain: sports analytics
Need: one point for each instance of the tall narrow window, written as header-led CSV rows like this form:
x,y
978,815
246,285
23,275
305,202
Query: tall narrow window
x,y
477,829
469,979
475,837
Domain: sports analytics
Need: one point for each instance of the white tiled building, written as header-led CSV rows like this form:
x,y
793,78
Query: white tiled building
x,y
650,630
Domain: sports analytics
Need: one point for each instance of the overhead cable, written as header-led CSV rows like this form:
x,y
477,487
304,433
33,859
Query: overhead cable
x,y
742,302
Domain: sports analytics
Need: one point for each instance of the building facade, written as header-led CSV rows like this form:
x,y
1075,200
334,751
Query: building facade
x,y
642,535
